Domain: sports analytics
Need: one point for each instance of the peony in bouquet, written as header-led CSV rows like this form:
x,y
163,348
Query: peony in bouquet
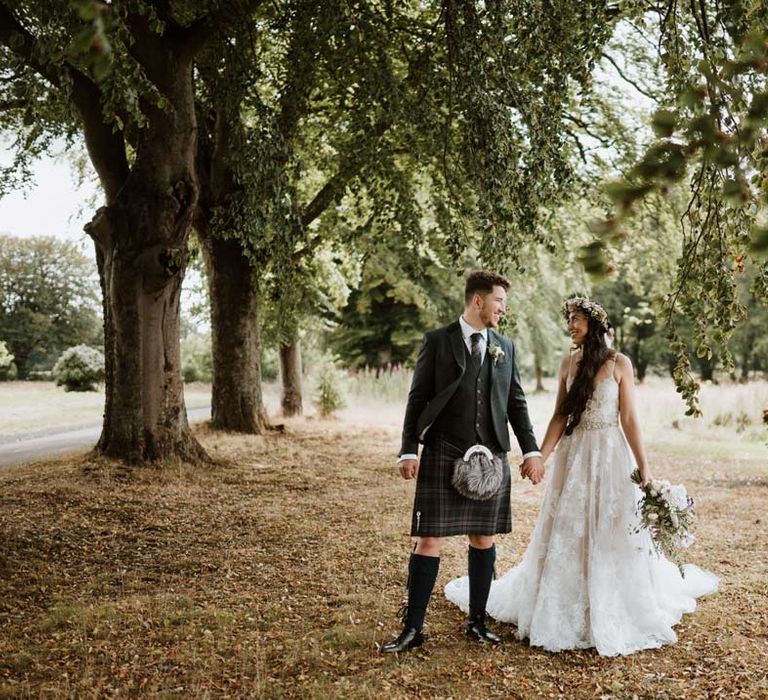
x,y
667,512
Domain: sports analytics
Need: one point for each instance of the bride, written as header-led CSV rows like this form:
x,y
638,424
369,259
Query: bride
x,y
586,580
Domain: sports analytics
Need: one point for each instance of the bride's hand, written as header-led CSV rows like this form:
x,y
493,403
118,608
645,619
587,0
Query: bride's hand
x,y
645,479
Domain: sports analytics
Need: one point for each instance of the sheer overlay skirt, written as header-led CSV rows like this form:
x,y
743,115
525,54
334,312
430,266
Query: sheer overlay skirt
x,y
586,580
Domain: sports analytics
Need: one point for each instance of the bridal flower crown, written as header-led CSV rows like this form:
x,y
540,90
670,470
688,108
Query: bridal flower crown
x,y
587,306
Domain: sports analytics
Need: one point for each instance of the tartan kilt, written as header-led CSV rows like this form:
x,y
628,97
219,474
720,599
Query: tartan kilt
x,y
439,510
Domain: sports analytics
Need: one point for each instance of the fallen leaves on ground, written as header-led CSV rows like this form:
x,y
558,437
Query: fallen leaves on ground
x,y
279,570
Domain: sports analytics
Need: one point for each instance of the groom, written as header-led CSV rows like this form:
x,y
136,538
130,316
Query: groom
x,y
465,388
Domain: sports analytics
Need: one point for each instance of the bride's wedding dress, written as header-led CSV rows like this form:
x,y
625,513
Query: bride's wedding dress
x,y
585,579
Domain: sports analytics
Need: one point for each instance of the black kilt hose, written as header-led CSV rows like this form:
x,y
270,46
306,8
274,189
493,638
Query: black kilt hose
x,y
439,510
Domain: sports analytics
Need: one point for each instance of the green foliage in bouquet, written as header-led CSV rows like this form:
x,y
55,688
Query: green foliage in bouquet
x,y
667,512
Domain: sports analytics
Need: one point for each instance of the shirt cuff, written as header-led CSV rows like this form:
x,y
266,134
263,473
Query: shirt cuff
x,y
535,453
402,458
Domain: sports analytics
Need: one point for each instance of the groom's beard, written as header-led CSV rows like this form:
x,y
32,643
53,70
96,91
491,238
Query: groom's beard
x,y
487,317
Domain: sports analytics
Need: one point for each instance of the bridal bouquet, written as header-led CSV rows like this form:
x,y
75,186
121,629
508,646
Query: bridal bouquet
x,y
668,512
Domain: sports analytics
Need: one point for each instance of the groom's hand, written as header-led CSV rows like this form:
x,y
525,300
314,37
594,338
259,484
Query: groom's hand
x,y
409,468
533,468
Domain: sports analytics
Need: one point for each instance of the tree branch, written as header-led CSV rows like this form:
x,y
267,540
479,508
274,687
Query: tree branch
x,y
602,140
164,11
577,141
105,147
332,190
197,34
6,105
24,45
629,80
335,186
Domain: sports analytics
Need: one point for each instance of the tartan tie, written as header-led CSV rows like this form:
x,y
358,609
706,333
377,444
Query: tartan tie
x,y
477,357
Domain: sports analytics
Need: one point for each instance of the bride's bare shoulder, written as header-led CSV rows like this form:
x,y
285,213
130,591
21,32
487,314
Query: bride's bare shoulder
x,y
623,365
565,365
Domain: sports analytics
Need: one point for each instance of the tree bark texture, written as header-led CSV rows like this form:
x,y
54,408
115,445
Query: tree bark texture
x,y
141,238
290,372
236,401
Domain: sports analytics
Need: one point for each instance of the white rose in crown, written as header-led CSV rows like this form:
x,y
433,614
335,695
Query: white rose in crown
x,y
496,353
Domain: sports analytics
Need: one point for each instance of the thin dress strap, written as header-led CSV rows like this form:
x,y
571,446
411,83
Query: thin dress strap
x,y
613,368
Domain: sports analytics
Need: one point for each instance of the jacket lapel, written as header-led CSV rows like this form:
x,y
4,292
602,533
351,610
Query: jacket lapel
x,y
492,340
457,345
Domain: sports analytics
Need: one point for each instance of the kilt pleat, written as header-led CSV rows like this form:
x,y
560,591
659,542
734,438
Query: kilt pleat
x,y
439,510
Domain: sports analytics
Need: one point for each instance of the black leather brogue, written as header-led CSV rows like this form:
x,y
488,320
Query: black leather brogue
x,y
408,639
477,630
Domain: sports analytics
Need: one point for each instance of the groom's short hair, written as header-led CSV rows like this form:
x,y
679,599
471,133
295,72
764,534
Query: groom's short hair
x,y
482,282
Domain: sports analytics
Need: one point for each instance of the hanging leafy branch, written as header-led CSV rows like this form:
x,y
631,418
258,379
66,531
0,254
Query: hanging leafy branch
x,y
711,133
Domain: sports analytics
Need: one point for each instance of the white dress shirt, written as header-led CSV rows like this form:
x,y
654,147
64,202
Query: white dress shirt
x,y
466,332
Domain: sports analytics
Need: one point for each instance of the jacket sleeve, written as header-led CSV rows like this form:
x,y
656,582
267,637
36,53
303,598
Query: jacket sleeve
x,y
517,409
421,392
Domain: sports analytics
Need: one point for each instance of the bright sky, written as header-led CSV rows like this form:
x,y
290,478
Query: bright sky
x,y
54,205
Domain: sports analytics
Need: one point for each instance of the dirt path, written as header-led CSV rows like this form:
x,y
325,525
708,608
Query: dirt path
x,y
276,573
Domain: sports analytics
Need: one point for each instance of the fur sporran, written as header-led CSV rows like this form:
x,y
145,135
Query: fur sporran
x,y
478,475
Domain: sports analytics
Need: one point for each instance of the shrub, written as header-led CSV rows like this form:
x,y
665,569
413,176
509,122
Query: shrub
x,y
80,368
331,384
270,364
7,367
40,375
196,358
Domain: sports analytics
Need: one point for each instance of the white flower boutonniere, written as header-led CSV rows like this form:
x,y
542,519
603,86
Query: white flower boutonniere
x,y
496,353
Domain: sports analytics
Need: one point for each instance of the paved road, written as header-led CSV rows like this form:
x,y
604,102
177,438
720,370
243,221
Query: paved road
x,y
63,441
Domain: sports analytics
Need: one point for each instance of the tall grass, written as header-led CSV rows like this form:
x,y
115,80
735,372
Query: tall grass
x,y
389,384
731,420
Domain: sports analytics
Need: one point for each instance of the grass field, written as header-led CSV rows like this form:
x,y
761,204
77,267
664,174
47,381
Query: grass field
x,y
276,572
38,406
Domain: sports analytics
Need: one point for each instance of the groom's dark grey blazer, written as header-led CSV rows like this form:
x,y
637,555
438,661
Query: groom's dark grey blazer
x,y
439,369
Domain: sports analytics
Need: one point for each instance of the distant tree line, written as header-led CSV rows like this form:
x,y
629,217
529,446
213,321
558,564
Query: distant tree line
x,y
49,301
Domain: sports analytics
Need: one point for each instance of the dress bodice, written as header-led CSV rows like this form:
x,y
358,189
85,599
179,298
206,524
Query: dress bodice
x,y
602,410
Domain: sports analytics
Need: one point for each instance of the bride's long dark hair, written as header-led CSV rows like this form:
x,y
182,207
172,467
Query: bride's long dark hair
x,y
594,354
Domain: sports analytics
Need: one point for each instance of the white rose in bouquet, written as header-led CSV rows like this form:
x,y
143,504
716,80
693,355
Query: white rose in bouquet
x,y
668,513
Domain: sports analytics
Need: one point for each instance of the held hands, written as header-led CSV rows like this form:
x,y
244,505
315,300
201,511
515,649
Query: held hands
x,y
533,469
409,468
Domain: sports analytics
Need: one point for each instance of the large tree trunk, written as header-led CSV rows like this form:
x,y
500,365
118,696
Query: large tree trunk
x,y
707,368
539,374
141,238
144,418
236,401
641,366
290,372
